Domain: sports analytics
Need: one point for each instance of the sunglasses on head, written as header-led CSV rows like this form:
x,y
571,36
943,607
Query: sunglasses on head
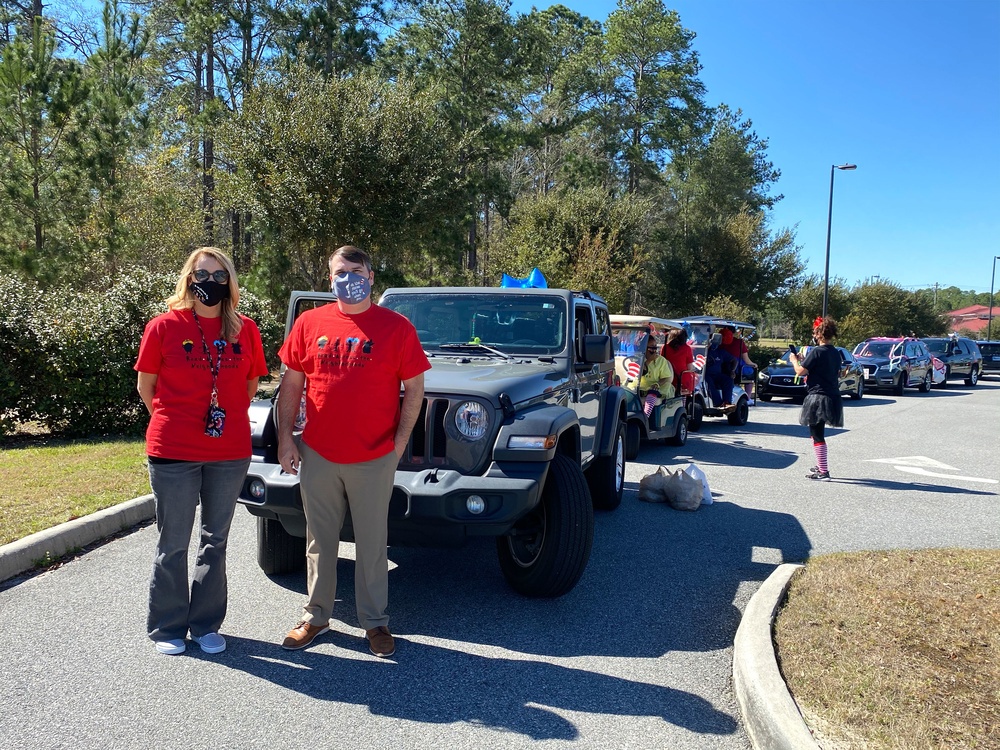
x,y
201,275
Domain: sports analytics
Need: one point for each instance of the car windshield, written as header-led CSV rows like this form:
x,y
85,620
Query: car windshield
x,y
875,348
512,324
937,346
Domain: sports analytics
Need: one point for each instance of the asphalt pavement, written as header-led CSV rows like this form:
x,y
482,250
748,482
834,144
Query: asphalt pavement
x,y
638,655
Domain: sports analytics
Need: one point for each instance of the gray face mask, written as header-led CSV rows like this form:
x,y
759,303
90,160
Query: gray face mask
x,y
351,288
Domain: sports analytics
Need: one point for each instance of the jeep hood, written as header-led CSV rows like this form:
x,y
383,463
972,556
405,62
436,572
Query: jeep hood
x,y
521,379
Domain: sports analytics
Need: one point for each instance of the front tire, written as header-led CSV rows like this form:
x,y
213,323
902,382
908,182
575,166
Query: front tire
x,y
697,416
606,475
742,414
681,436
899,385
859,392
278,552
973,378
765,397
547,551
925,384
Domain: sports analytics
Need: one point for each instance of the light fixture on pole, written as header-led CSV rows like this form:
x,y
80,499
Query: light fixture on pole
x,y
829,222
989,321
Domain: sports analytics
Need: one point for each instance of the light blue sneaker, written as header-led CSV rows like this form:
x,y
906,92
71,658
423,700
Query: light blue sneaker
x,y
176,646
211,643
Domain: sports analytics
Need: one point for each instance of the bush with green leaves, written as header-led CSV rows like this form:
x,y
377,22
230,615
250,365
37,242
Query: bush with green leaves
x,y
72,353
21,360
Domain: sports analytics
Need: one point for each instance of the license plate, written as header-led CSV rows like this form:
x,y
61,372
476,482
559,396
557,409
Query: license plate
x,y
869,372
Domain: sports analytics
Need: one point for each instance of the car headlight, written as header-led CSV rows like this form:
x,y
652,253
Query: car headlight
x,y
472,420
764,376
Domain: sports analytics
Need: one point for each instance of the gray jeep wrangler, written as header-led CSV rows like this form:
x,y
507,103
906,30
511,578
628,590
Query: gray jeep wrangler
x,y
520,437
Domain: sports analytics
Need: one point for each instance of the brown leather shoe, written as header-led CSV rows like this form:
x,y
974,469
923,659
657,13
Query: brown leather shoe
x,y
302,635
380,641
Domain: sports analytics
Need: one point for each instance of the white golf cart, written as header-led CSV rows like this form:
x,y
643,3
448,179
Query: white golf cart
x,y
701,328
669,421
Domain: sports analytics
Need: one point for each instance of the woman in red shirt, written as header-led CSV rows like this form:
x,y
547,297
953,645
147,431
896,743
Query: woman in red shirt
x,y
679,355
198,367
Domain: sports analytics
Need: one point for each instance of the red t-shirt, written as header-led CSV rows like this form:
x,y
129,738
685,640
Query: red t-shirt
x,y
354,366
680,359
172,350
737,347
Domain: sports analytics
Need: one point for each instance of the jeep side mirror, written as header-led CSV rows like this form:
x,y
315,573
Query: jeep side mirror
x,y
596,348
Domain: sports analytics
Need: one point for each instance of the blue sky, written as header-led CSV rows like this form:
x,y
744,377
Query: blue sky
x,y
909,90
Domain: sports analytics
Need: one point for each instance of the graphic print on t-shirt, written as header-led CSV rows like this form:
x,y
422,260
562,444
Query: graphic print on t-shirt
x,y
351,352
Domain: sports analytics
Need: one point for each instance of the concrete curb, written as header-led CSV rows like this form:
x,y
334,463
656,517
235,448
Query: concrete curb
x,y
771,718
51,544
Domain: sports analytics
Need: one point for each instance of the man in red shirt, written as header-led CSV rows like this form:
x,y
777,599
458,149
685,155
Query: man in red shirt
x,y
738,348
351,357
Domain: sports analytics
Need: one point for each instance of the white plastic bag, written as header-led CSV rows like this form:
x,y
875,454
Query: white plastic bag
x,y
706,493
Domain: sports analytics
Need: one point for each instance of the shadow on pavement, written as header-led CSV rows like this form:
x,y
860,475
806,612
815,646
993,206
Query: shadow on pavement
x,y
884,484
510,694
659,580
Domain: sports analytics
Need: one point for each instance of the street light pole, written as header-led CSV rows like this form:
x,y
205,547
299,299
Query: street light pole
x,y
829,224
989,321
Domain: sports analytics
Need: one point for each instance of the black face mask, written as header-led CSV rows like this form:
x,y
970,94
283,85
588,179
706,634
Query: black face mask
x,y
210,293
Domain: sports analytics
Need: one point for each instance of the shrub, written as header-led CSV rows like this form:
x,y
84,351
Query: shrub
x,y
69,355
21,358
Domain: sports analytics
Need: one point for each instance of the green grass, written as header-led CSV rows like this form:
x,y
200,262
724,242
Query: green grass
x,y
45,483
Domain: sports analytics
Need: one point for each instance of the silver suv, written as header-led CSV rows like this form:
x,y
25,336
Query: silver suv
x,y
895,363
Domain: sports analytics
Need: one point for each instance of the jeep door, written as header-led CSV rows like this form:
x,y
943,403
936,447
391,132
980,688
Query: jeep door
x,y
589,380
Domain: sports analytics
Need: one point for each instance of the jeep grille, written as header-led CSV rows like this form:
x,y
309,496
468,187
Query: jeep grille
x,y
429,443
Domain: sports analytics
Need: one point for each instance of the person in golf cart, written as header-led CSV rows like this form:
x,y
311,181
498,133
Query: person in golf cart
x,y
656,377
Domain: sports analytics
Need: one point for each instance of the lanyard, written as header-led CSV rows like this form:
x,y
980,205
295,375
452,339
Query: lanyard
x,y
213,365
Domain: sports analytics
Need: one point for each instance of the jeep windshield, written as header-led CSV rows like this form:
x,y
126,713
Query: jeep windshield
x,y
486,323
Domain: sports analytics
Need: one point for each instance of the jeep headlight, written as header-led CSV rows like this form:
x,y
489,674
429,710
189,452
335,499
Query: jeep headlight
x,y
472,420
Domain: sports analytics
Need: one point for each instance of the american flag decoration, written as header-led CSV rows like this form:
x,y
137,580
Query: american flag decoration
x,y
633,369
699,361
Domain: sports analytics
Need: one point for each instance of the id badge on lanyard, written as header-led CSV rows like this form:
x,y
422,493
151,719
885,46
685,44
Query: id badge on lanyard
x,y
215,419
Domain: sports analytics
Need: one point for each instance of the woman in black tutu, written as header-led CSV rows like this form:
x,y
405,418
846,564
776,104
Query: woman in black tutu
x,y
822,405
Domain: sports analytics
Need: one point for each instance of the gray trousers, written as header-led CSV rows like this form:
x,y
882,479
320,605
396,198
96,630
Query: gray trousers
x,y
175,607
328,490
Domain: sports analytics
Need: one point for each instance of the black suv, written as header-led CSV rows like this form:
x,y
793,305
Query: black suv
x,y
520,436
962,358
779,378
991,357
895,363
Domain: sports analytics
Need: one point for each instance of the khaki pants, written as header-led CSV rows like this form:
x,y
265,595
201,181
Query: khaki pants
x,y
328,489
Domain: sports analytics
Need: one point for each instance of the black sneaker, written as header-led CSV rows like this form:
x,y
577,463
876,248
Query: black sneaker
x,y
819,476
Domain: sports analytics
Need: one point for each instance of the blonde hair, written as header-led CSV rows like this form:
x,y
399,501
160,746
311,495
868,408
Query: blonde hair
x,y
182,299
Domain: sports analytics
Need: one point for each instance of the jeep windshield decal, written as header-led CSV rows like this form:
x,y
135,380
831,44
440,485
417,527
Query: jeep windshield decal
x,y
498,322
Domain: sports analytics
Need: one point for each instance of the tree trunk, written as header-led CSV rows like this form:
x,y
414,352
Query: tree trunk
x,y
208,194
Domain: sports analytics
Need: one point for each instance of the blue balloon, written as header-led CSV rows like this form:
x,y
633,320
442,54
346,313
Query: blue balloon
x,y
537,280
534,280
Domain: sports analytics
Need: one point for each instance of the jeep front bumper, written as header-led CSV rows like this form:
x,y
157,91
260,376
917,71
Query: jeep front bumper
x,y
431,507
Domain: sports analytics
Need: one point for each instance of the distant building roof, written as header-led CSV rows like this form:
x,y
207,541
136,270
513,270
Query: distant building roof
x,y
973,311
976,325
